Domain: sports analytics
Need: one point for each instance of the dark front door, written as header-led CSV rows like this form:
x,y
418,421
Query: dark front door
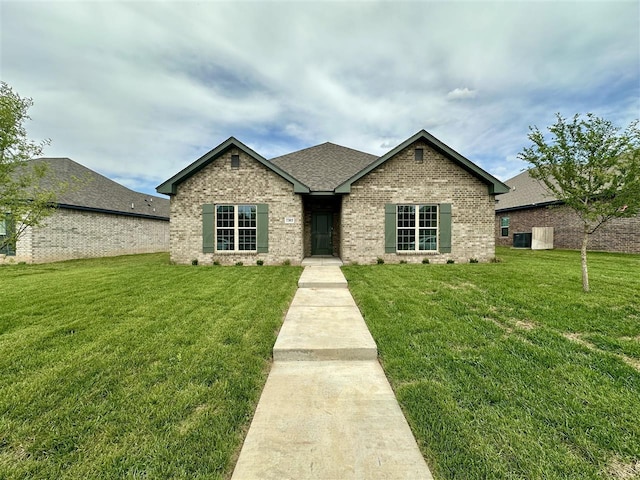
x,y
321,233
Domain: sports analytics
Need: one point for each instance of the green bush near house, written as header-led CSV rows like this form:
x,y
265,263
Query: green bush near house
x,y
130,367
510,370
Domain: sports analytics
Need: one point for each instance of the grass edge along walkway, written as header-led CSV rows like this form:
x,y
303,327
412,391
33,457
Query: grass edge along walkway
x,y
131,367
484,362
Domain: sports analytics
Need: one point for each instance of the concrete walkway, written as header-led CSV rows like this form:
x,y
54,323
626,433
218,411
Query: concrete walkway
x,y
327,410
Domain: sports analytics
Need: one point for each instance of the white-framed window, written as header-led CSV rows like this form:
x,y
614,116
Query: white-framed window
x,y
3,227
504,226
236,228
417,228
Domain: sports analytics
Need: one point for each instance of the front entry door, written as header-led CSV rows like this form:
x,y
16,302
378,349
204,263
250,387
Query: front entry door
x,y
321,226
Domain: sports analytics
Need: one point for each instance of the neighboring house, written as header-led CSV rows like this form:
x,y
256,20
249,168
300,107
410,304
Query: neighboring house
x,y
530,204
96,217
420,200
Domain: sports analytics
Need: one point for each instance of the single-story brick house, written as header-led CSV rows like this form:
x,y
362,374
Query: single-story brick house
x,y
420,200
529,204
96,218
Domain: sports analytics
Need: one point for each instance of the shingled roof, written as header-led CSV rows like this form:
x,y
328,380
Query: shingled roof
x,y
525,192
323,167
98,193
328,168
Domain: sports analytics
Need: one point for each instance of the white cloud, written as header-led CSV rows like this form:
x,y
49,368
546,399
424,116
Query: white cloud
x,y
140,89
461,94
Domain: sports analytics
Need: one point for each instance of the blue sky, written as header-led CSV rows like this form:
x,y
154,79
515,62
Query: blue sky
x,y
137,90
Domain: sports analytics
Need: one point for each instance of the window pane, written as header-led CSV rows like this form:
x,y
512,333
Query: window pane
x,y
428,216
224,216
247,239
3,227
225,238
504,222
428,239
247,216
406,239
406,216
504,232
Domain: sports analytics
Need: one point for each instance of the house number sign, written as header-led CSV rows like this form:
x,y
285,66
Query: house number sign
x,y
289,220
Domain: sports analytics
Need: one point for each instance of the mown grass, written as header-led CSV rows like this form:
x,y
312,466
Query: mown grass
x,y
131,367
509,370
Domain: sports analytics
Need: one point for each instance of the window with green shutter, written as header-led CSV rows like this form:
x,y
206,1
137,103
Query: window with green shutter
x,y
7,229
418,228
235,228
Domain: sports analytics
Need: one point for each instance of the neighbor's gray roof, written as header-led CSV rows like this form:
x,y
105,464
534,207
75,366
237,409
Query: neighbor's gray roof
x,y
97,192
524,192
323,167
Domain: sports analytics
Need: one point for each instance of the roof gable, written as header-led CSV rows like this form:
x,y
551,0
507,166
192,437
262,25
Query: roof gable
x,y
495,185
324,166
96,192
169,187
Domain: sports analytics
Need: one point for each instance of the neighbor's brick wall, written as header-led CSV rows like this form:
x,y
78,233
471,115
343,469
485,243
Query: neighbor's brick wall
x,y
402,180
24,248
252,183
618,235
70,234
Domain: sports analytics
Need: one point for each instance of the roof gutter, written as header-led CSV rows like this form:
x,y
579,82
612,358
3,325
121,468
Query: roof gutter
x,y
112,212
531,205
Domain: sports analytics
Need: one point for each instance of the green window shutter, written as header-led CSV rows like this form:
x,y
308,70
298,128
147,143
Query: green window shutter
x,y
208,210
263,227
7,243
445,228
390,228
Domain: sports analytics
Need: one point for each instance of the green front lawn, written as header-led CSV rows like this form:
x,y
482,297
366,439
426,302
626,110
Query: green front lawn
x,y
131,367
509,370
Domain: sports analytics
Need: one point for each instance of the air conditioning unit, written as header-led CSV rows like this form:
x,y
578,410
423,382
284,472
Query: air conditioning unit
x,y
542,238
522,240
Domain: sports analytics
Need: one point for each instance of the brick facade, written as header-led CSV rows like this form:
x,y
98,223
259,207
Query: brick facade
x,y
70,234
617,235
403,180
250,183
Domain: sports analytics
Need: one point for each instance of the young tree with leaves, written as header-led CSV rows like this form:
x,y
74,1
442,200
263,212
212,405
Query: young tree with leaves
x,y
591,166
24,202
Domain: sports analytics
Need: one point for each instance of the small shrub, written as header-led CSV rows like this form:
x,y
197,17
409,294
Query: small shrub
x,y
286,262
260,262
495,260
473,260
451,260
380,261
403,262
194,261
239,264
216,263
425,261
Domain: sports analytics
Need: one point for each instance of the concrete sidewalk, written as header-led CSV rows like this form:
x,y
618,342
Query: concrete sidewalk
x,y
327,410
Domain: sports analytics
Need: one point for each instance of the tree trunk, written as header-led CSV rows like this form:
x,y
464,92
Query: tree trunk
x,y
583,256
